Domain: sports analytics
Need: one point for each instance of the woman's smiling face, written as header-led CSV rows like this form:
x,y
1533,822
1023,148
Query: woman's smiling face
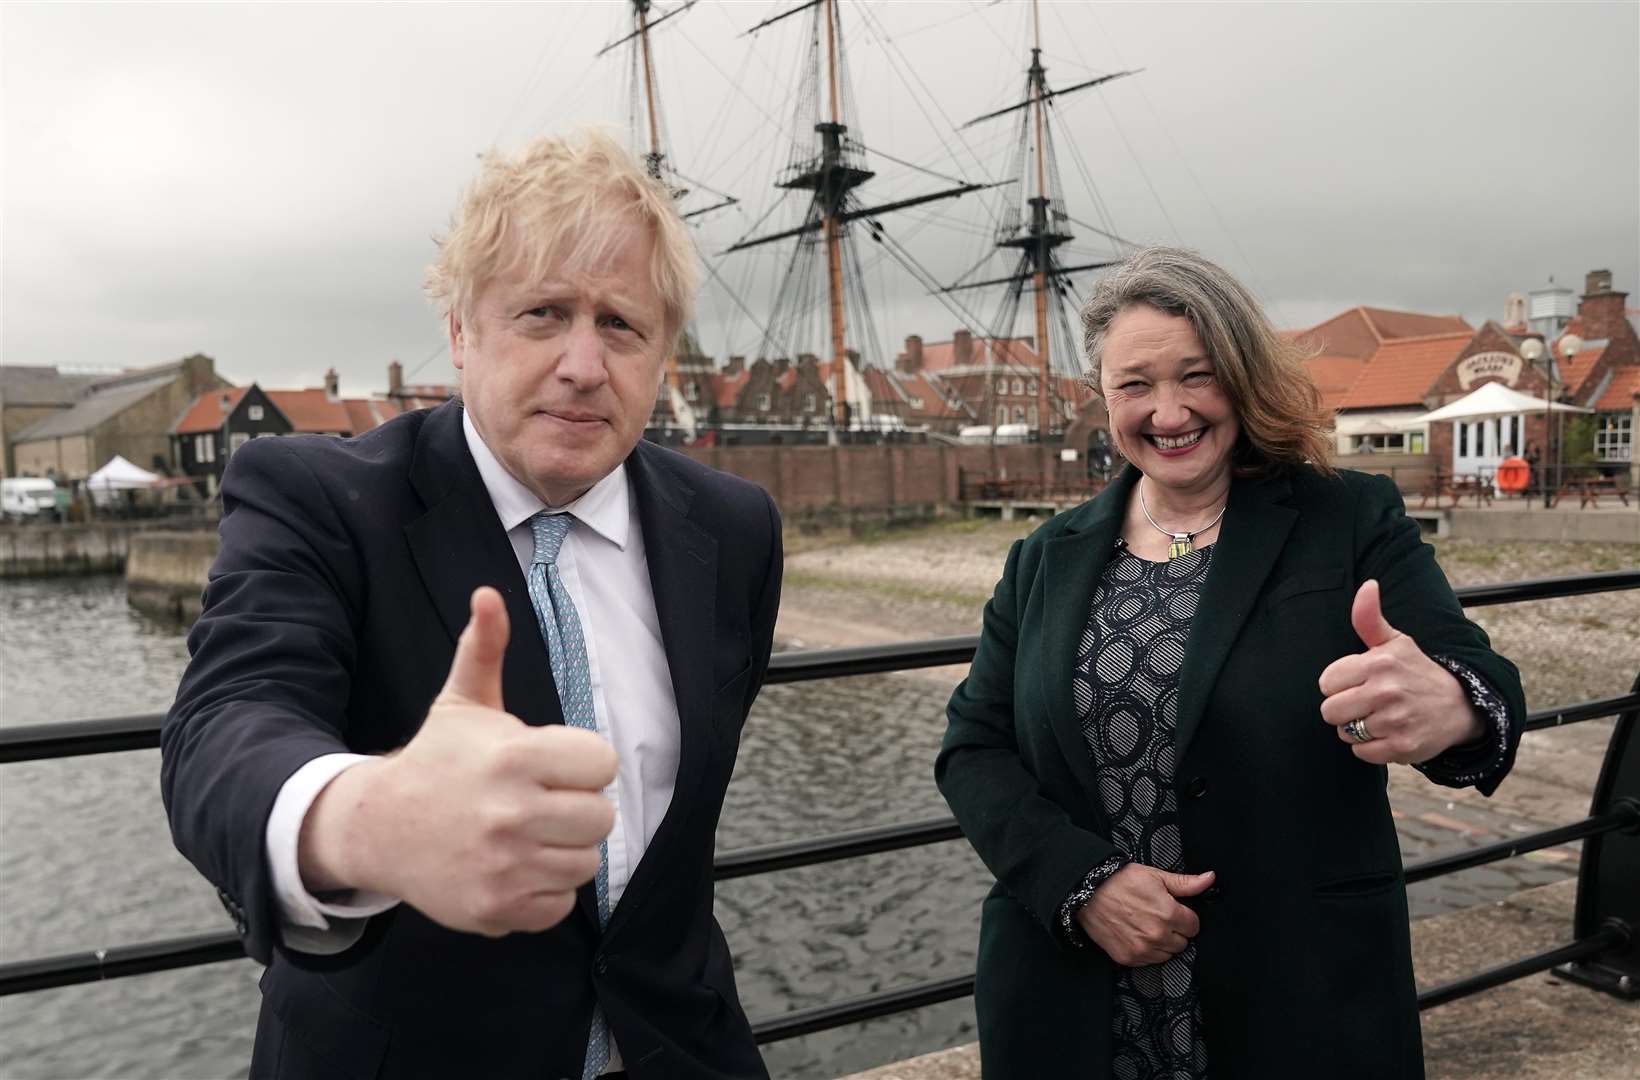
x,y
1168,413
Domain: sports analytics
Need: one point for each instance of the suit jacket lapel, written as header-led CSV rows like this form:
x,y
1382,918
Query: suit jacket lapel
x,y
459,545
683,574
1255,529
1071,565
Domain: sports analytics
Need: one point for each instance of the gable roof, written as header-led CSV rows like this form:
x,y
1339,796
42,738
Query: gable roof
x,y
39,384
100,405
1360,331
208,412
1402,372
1620,392
1333,376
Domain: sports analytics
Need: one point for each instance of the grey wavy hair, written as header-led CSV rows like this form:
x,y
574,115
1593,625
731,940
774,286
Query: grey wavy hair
x,y
1263,375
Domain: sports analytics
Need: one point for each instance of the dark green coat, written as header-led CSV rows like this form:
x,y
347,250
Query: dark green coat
x,y
1304,962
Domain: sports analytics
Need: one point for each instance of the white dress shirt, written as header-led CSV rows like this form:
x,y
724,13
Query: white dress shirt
x,y
603,566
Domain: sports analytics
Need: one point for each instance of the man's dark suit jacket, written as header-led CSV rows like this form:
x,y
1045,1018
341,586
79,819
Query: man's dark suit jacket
x,y
1304,965
329,624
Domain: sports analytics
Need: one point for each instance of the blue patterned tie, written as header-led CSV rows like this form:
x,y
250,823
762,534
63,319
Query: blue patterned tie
x,y
567,649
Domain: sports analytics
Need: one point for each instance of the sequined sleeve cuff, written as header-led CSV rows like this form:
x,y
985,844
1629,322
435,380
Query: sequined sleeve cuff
x,y
1485,757
1069,930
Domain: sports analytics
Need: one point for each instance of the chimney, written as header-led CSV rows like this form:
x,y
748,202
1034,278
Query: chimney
x,y
332,385
962,348
737,364
395,379
911,361
199,373
1514,311
1600,310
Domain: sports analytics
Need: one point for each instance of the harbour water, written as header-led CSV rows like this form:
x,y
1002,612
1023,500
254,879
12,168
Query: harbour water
x,y
86,861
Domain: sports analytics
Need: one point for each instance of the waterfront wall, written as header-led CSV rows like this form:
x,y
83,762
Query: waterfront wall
x,y
165,572
45,550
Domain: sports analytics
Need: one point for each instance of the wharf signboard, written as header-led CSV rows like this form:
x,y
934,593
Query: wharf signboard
x,y
1489,365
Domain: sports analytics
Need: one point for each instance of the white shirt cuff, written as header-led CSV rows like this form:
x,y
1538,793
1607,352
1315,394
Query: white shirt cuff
x,y
307,924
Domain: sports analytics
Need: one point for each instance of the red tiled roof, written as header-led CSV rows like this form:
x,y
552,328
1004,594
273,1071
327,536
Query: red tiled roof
x,y
1359,331
208,412
1573,372
1401,372
939,355
1333,376
312,411
1620,392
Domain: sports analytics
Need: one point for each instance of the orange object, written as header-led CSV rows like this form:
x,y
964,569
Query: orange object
x,y
1513,475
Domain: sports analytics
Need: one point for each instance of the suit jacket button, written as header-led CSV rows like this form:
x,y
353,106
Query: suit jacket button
x,y
601,966
1197,787
1212,893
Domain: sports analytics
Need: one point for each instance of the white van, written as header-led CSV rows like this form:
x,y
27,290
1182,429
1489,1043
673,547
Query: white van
x,y
27,498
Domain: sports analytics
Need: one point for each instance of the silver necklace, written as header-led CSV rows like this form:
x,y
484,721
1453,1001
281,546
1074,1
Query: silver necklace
x,y
1181,540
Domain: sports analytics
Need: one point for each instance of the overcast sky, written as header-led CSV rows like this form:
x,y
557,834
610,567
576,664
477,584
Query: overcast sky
x,y
261,183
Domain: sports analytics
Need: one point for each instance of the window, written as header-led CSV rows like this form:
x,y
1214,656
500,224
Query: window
x,y
763,403
236,440
1019,386
1070,410
1002,385
691,392
1031,416
253,412
1389,444
1002,415
917,403
205,449
1030,387
1614,437
1463,439
808,403
1019,414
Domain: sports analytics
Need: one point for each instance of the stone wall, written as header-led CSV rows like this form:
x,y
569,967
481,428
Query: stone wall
x,y
43,550
165,572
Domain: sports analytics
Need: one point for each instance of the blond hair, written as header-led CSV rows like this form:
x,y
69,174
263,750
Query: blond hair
x,y
1276,402
559,201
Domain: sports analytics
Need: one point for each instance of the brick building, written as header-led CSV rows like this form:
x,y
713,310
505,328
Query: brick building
x,y
28,394
130,414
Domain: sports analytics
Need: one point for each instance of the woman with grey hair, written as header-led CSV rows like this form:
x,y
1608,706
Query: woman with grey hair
x,y
1171,748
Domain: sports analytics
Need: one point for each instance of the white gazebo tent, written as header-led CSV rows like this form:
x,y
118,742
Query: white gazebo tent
x,y
119,475
1489,402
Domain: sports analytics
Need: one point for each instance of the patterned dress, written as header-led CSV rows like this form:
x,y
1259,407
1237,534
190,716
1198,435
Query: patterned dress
x,y
1126,687
1126,690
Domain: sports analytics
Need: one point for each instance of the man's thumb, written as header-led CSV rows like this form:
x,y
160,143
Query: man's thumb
x,y
1367,616
475,673
1187,884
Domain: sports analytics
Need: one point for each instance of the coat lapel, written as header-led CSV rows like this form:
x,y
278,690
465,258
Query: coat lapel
x,y
1255,529
458,545
1071,565
683,574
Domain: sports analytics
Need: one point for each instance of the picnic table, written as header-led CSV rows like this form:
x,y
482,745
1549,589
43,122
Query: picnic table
x,y
1441,486
1588,490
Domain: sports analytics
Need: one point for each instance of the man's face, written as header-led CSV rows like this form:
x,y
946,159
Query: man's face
x,y
559,375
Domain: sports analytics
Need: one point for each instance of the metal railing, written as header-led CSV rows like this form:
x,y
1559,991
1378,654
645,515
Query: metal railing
x,y
1605,951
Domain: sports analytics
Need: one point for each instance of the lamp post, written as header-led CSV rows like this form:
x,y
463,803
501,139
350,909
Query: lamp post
x,y
1533,350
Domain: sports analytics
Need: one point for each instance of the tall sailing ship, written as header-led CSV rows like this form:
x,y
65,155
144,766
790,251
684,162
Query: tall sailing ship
x,y
818,345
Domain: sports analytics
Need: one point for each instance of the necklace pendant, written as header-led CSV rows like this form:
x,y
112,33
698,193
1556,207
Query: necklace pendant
x,y
1179,546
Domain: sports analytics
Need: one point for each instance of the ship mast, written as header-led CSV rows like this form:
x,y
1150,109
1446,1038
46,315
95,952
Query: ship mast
x,y
832,177
654,159
1037,234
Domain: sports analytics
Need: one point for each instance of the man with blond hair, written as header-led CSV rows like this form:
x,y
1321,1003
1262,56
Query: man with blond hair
x,y
467,690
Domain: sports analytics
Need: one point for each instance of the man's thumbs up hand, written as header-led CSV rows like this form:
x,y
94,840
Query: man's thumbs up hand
x,y
475,673
481,822
1393,703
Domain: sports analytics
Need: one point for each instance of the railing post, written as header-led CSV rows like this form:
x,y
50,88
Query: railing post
x,y
1608,880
